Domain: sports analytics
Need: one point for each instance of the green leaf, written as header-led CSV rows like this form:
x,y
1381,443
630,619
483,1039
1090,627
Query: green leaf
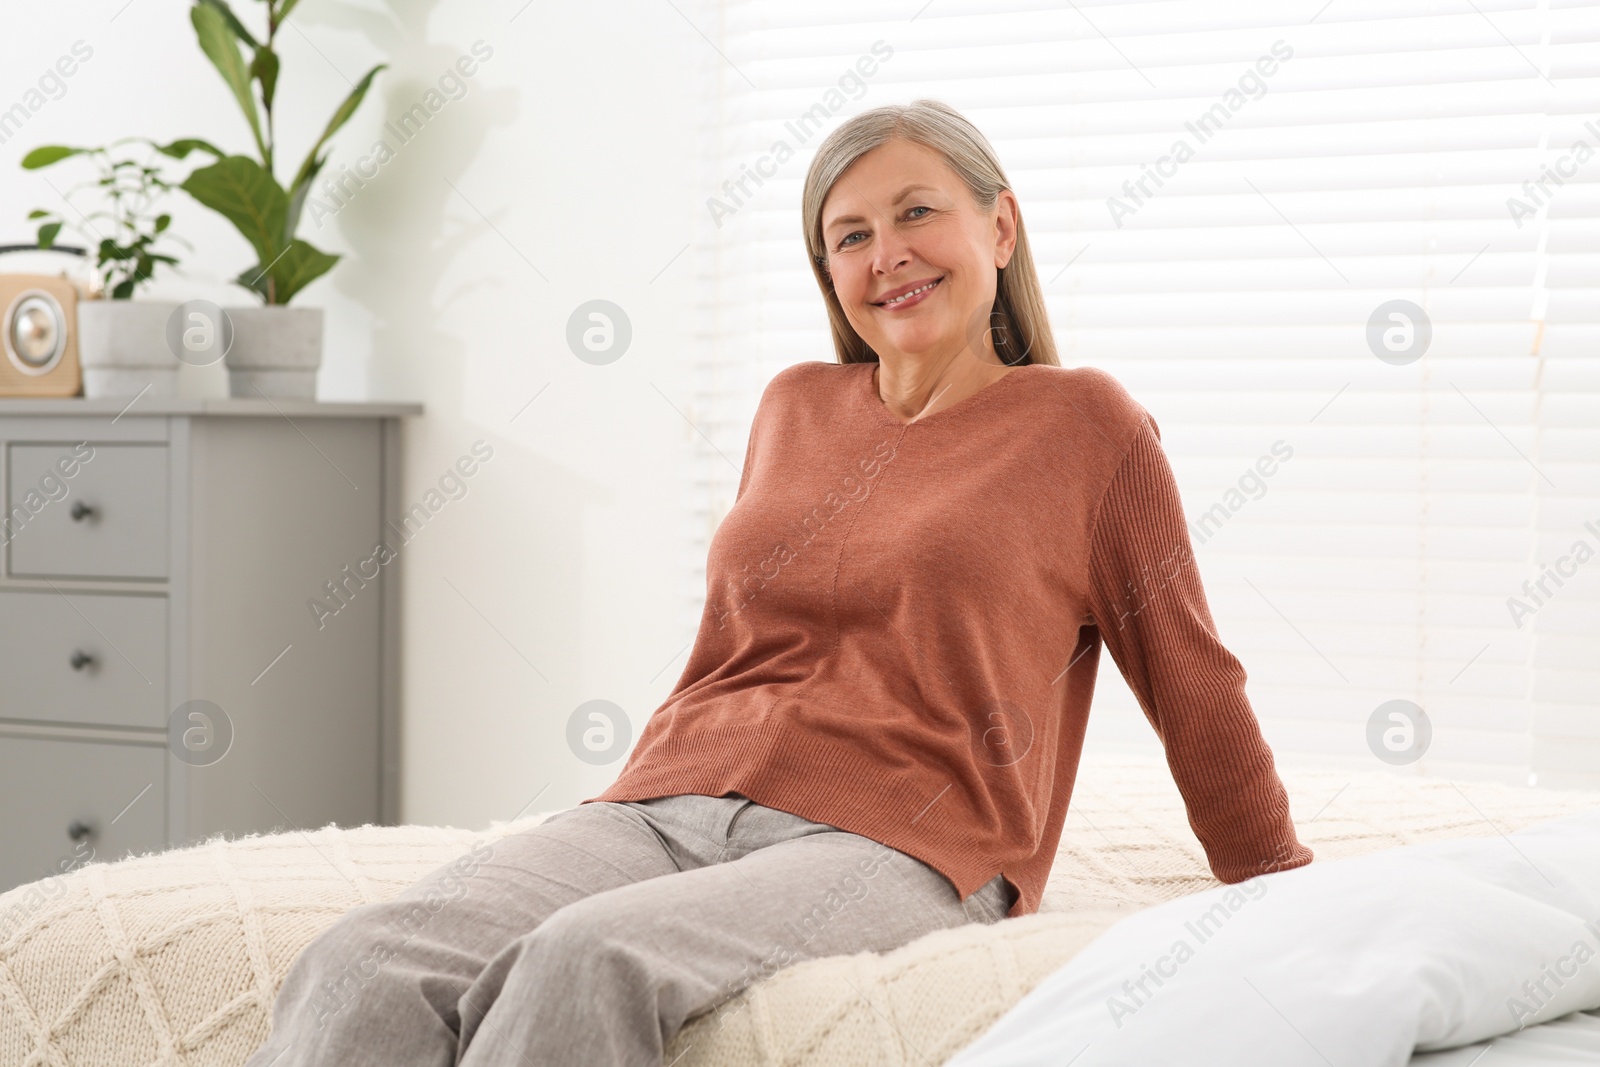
x,y
47,234
237,188
340,117
297,267
162,222
180,149
220,45
264,69
38,213
48,154
123,290
297,199
283,12
233,23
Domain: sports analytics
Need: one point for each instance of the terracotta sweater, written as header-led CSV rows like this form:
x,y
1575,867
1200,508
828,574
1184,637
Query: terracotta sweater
x,y
903,622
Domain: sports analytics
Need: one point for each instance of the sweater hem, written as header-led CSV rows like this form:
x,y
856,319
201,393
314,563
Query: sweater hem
x,y
773,772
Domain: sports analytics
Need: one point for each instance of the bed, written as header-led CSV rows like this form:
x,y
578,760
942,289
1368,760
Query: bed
x,y
174,958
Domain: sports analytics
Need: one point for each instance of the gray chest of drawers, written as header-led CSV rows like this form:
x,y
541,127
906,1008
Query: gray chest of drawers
x,y
164,676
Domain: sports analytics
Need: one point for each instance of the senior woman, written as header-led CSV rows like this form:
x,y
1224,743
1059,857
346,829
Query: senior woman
x,y
878,728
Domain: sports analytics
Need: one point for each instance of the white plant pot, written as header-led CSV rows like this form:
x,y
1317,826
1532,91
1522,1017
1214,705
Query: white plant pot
x,y
122,348
276,351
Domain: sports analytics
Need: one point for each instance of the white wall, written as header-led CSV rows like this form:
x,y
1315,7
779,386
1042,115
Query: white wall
x,y
565,553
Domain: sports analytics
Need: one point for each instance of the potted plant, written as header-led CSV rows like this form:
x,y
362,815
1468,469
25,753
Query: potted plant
x,y
276,349
121,341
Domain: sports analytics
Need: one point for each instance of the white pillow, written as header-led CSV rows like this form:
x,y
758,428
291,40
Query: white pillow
x,y
1354,963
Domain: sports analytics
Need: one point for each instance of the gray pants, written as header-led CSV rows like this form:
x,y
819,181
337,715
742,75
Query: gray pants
x,y
592,938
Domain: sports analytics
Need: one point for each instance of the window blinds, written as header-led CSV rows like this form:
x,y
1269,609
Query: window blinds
x,y
1256,215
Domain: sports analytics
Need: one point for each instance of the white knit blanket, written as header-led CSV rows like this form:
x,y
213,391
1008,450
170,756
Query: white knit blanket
x,y
174,958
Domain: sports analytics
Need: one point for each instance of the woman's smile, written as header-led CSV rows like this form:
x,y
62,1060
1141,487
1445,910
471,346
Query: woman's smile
x,y
908,296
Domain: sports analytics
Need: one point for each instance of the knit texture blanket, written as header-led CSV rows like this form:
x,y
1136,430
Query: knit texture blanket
x,y
174,958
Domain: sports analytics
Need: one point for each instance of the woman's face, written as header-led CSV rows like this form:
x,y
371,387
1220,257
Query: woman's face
x,y
899,219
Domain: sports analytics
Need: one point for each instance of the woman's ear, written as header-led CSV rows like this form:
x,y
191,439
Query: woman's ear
x,y
1005,227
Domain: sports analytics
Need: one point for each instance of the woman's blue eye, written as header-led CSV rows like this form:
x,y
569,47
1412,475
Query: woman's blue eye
x,y
845,241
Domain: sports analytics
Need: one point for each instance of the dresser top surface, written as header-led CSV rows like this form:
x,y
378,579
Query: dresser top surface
x,y
209,406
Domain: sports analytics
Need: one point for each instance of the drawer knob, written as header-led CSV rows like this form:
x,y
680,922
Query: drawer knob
x,y
81,659
81,511
77,829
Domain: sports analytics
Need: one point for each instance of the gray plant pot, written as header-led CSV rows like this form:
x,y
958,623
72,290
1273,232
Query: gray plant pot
x,y
122,348
276,351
